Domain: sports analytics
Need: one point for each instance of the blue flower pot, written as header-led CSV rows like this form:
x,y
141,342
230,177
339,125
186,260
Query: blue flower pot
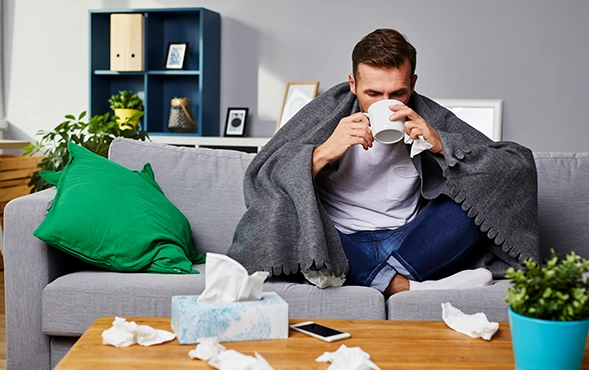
x,y
547,345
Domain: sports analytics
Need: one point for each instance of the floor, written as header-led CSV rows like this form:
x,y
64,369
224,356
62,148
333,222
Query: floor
x,y
2,324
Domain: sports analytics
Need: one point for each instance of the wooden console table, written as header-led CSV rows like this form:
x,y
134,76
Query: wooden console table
x,y
13,144
15,173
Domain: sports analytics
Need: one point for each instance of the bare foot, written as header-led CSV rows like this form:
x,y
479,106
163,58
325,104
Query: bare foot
x,y
397,284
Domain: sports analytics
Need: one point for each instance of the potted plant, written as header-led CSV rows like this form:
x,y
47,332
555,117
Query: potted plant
x,y
96,135
549,312
127,107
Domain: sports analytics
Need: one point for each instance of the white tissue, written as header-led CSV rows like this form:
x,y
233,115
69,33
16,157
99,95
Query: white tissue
x,y
418,146
475,326
233,360
348,358
206,349
218,357
228,281
124,333
323,278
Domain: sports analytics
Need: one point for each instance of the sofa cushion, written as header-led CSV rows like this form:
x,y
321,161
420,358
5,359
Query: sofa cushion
x,y
116,219
563,204
427,304
72,302
205,184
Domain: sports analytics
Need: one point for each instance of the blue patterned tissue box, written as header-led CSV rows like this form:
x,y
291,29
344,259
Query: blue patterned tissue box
x,y
266,318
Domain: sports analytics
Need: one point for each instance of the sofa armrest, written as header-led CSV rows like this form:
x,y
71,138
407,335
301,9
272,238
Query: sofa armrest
x,y
29,265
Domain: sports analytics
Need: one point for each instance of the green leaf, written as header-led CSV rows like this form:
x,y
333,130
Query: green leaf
x,y
126,99
553,291
96,134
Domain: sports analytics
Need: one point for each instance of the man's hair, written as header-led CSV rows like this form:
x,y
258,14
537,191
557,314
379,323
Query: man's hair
x,y
384,48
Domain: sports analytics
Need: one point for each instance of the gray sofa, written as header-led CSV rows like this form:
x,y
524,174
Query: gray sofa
x,y
52,298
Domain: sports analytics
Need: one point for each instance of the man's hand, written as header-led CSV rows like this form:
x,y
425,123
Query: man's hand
x,y
350,131
416,126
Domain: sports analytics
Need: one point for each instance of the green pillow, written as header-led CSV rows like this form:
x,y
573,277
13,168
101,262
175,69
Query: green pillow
x,y
115,218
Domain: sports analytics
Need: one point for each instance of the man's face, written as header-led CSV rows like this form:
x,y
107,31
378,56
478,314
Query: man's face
x,y
374,83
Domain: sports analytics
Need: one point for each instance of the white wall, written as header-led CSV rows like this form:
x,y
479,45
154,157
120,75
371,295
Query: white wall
x,y
530,53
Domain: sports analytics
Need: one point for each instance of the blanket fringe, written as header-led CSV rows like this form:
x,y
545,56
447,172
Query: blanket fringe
x,y
485,226
296,268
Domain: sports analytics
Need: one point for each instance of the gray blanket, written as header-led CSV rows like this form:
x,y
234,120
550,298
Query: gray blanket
x,y
285,228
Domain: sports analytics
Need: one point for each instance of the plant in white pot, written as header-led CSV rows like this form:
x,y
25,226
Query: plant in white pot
x,y
549,312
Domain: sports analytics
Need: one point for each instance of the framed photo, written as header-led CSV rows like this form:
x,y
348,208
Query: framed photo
x,y
176,55
235,123
484,115
297,95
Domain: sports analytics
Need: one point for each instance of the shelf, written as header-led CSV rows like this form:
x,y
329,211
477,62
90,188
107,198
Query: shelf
x,y
199,81
216,142
109,72
171,73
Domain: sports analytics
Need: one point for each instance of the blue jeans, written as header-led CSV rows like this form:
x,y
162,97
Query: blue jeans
x,y
439,236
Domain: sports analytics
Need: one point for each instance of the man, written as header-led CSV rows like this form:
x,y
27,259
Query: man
x,y
327,200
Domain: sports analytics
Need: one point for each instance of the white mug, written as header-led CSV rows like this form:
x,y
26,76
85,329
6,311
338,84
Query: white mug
x,y
383,129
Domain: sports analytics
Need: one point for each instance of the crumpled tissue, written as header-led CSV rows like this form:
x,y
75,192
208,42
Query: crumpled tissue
x,y
323,278
418,145
124,333
475,326
228,281
219,357
348,358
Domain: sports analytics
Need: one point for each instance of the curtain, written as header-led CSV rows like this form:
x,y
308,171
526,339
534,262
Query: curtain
x,y
3,123
2,119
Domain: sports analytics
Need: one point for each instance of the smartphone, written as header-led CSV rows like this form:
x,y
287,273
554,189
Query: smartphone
x,y
319,331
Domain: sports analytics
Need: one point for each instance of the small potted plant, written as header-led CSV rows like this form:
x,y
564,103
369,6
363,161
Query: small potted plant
x,y
95,134
549,312
127,107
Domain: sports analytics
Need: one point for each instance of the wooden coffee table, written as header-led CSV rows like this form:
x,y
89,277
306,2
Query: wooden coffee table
x,y
391,345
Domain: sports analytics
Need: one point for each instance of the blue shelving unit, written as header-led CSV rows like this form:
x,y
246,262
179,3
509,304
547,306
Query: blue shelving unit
x,y
199,81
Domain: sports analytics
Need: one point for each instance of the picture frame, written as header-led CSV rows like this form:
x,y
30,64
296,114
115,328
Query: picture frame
x,y
176,55
235,123
483,114
296,96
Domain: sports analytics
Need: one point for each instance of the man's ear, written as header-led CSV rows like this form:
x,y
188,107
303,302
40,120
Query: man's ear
x,y
413,81
352,83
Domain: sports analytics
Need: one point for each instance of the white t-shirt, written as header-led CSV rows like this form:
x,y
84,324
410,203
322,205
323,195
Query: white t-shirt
x,y
374,189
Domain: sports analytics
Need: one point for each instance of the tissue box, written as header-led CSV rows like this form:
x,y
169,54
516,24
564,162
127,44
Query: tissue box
x,y
266,318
